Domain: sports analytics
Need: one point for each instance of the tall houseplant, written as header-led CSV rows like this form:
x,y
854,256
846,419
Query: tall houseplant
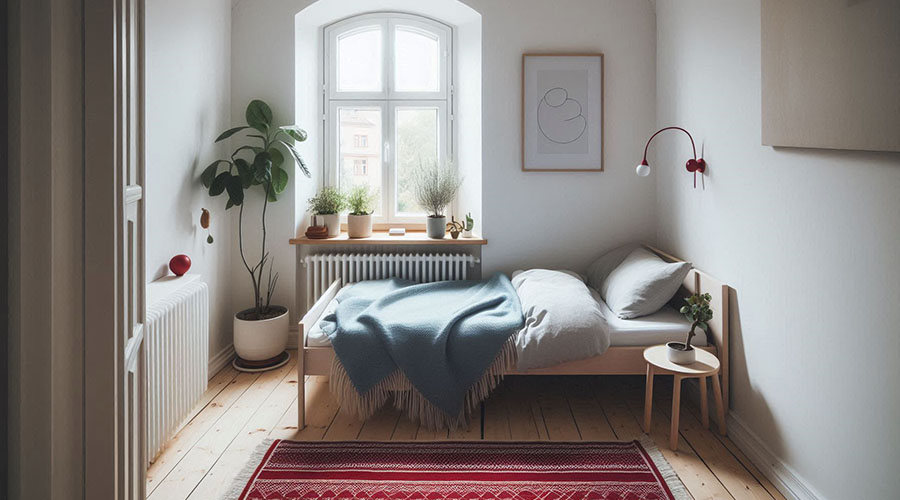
x,y
361,203
260,331
698,312
436,186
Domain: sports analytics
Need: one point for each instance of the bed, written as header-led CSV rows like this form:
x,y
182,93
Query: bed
x,y
628,338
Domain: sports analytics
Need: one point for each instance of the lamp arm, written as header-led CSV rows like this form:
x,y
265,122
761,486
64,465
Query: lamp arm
x,y
669,128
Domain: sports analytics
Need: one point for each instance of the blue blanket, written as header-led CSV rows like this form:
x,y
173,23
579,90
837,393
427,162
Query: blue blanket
x,y
443,336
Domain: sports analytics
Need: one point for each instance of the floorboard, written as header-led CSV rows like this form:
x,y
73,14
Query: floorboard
x,y
240,411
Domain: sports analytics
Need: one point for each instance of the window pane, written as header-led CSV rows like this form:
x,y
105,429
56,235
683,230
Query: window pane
x,y
417,143
417,56
359,149
359,60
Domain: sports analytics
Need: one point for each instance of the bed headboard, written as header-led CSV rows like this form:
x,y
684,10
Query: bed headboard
x,y
698,281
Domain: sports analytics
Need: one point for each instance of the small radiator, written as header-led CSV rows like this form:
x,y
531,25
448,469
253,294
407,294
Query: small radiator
x,y
177,355
323,269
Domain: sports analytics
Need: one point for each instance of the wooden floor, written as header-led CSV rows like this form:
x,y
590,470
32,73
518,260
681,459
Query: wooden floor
x,y
239,410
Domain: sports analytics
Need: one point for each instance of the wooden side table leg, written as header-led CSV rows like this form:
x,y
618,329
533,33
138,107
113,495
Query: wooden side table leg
x,y
704,404
676,410
720,409
648,398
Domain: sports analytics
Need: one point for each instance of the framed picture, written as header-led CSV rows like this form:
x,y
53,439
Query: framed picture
x,y
562,112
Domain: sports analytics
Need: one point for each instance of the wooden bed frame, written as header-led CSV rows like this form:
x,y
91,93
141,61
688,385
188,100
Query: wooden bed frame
x,y
615,361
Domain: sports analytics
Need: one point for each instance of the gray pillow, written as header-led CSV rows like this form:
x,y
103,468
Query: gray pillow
x,y
600,269
642,284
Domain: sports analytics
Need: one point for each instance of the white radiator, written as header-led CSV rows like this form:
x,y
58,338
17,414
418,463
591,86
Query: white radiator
x,y
323,269
177,354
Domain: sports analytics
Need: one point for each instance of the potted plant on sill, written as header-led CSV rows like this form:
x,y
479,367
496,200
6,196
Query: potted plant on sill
x,y
261,331
326,208
361,202
698,312
469,226
435,187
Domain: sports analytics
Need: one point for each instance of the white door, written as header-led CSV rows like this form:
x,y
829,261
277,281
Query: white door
x,y
114,243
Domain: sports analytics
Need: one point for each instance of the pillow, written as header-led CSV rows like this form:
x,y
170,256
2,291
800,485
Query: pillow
x,y
642,284
600,269
563,321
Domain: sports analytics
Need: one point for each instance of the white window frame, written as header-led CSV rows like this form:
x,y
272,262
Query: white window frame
x,y
388,100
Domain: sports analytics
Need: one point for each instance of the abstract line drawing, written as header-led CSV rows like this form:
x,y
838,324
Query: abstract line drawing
x,y
560,118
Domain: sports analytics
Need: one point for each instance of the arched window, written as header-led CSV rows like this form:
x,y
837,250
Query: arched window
x,y
388,99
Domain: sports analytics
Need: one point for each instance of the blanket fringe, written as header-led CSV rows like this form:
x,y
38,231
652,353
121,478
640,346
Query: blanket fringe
x,y
410,401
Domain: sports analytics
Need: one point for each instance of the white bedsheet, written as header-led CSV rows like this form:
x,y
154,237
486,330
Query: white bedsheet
x,y
663,326
660,327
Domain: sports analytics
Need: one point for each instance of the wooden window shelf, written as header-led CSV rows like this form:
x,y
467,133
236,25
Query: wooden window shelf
x,y
382,238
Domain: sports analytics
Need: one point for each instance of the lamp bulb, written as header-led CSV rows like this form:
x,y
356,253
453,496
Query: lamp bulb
x,y
643,170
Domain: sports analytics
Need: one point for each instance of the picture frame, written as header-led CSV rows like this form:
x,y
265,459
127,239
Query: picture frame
x,y
562,112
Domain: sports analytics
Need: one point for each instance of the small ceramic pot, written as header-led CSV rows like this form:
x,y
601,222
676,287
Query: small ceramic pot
x,y
256,340
467,233
359,226
437,227
679,357
331,221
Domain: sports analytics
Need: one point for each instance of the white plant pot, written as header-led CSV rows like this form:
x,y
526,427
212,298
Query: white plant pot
x,y
467,233
257,340
678,356
331,221
436,226
359,226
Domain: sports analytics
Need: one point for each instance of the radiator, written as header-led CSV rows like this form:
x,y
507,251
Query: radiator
x,y
177,355
323,269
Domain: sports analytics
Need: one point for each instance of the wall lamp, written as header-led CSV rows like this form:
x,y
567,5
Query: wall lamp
x,y
693,165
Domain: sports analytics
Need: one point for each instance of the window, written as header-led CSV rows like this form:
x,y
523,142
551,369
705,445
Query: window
x,y
387,86
360,167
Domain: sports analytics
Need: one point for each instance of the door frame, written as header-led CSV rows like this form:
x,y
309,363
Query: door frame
x,y
66,217
113,137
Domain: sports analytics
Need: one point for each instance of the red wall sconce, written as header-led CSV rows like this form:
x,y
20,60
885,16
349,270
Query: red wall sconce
x,y
693,165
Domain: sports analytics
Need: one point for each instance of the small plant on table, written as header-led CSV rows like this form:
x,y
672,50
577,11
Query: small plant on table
x,y
698,312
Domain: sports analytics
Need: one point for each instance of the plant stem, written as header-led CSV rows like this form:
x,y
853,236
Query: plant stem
x,y
265,206
243,258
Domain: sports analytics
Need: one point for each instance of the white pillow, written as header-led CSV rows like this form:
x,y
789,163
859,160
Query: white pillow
x,y
563,321
642,284
600,269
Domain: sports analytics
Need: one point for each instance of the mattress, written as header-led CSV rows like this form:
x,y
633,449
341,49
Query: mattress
x,y
663,326
316,337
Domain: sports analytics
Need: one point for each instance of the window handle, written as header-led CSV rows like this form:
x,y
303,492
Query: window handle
x,y
387,153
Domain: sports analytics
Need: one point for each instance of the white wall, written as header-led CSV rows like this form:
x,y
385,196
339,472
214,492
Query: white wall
x,y
188,95
562,220
565,219
808,239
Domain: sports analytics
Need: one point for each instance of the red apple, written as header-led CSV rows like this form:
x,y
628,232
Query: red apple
x,y
180,264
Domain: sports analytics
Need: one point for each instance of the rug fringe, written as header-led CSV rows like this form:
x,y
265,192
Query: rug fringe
x,y
410,401
240,481
679,491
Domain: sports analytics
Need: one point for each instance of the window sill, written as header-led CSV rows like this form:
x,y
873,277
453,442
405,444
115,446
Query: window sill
x,y
383,238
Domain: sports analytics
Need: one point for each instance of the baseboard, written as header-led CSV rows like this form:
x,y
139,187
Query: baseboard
x,y
782,475
221,360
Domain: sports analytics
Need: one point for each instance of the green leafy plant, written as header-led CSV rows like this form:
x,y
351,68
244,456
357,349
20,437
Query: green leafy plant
x,y
698,312
361,200
327,201
470,222
435,187
261,166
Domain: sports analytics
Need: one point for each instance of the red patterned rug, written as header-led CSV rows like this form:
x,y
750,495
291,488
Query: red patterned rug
x,y
458,470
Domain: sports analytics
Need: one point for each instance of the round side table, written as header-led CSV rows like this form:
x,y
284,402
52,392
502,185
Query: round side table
x,y
706,366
